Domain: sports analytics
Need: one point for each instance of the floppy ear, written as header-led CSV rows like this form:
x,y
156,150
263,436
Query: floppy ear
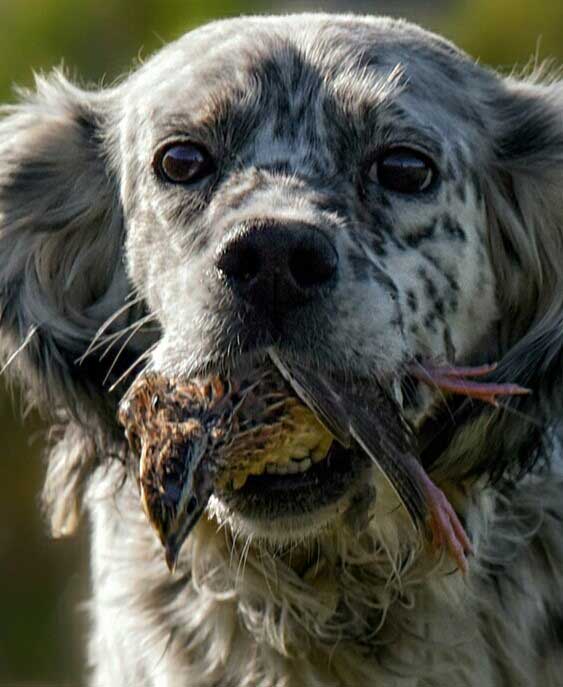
x,y
525,205
522,181
61,274
61,271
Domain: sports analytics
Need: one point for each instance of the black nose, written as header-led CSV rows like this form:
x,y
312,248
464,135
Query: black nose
x,y
278,267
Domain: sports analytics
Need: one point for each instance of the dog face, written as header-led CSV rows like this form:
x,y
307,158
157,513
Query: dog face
x,y
352,192
335,207
307,190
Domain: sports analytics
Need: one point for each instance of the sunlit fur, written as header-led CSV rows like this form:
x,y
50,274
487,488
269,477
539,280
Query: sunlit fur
x,y
103,270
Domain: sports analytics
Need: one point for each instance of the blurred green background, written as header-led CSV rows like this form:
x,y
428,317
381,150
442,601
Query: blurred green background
x,y
44,583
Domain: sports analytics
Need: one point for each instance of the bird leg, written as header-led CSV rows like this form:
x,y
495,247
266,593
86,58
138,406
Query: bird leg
x,y
444,523
447,530
459,380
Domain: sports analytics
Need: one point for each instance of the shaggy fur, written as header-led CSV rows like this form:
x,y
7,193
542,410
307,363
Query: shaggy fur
x,y
104,268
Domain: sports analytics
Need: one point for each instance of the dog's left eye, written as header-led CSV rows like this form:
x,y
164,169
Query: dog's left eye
x,y
403,170
183,163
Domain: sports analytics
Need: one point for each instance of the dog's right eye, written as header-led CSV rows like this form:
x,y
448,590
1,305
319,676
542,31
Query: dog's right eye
x,y
183,163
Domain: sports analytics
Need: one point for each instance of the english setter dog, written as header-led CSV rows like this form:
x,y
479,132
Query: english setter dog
x,y
358,194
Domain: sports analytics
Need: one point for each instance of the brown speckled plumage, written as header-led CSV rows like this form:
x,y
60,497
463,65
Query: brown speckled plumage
x,y
194,437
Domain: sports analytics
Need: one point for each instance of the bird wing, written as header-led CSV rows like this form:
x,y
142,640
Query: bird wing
x,y
371,419
375,430
319,395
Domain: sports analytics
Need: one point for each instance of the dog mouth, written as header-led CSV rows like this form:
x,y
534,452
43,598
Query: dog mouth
x,y
277,440
295,465
297,487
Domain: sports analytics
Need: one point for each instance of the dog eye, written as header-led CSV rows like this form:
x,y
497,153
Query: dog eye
x,y
183,163
403,170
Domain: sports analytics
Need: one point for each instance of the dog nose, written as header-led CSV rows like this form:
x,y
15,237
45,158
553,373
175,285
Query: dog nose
x,y
278,267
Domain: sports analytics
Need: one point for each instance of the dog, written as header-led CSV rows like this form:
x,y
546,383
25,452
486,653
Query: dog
x,y
358,194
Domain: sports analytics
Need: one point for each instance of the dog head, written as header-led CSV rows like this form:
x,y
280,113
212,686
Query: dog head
x,y
355,193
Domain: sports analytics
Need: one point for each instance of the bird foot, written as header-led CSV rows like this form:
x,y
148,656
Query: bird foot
x,y
447,530
459,380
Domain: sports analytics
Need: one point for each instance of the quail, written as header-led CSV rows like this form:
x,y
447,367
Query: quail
x,y
198,436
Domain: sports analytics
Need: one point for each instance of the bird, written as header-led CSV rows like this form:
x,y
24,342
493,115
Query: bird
x,y
193,437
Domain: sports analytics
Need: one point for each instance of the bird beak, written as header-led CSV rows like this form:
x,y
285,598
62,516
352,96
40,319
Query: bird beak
x,y
180,529
172,551
174,509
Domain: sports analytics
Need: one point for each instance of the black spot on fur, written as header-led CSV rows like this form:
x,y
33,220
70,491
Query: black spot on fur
x,y
454,229
449,173
412,300
332,204
460,191
399,245
377,244
385,280
430,288
439,305
449,347
360,266
430,322
417,237
90,127
476,184
452,281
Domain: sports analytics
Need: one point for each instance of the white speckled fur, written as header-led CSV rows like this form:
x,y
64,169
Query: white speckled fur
x,y
471,269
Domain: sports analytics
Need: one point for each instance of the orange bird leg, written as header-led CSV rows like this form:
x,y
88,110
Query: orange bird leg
x,y
457,380
444,523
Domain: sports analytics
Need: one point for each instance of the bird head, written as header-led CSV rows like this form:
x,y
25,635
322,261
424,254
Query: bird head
x,y
175,486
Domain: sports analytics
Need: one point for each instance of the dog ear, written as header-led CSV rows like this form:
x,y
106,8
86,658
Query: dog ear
x,y
61,236
522,181
525,207
61,269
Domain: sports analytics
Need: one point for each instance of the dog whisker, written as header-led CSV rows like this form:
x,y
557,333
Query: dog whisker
x,y
24,344
105,326
140,358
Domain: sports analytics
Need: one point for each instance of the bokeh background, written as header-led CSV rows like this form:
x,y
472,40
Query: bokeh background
x,y
44,583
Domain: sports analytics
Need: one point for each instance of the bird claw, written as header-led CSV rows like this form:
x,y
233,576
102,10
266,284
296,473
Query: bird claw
x,y
459,380
447,530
